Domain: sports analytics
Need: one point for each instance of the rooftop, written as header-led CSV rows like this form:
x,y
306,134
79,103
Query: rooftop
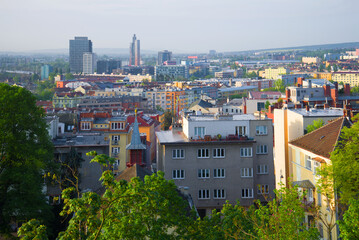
x,y
318,112
322,141
237,117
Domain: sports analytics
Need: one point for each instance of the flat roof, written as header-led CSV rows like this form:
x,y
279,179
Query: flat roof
x,y
237,117
318,112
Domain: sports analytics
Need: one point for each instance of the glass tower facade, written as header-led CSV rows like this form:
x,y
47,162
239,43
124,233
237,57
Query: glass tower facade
x,y
78,47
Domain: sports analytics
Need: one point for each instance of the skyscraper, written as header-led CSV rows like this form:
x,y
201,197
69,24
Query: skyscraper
x,y
78,47
88,63
164,56
135,55
45,71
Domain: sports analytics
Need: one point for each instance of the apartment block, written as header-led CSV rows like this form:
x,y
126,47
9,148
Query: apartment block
x,y
219,158
351,78
274,73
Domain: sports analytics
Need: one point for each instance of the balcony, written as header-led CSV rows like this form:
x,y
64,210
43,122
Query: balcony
x,y
230,137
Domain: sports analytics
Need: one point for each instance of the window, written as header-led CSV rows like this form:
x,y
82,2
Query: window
x,y
219,173
218,153
240,130
315,166
117,125
263,189
203,173
85,125
203,153
246,172
115,150
261,130
310,195
246,152
262,169
260,106
308,162
219,194
203,194
247,193
262,149
178,174
199,132
177,153
115,139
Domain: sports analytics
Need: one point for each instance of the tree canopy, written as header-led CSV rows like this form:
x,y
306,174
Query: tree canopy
x,y
316,124
25,151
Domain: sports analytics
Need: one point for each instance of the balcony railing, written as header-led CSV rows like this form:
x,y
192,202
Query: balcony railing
x,y
230,137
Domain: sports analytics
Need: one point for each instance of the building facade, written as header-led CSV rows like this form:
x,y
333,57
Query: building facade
x,y
88,63
135,54
274,73
173,71
78,47
107,66
219,158
164,56
45,71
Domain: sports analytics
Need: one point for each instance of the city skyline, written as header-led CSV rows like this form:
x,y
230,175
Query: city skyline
x,y
180,26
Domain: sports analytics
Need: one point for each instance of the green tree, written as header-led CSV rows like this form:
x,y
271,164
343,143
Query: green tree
x,y
69,76
316,124
349,226
25,152
149,209
168,120
267,104
346,163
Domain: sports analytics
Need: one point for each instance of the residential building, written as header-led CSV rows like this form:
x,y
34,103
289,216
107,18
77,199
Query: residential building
x,y
311,60
351,78
135,54
291,79
308,153
78,47
107,66
289,124
66,99
219,158
259,84
88,63
256,101
172,71
164,56
45,71
274,73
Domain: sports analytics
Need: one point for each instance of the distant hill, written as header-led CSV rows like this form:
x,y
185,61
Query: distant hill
x,y
304,48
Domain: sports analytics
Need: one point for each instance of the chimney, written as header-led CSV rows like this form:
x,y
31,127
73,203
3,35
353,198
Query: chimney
x,y
347,89
307,108
300,81
326,106
287,94
309,83
334,94
336,85
326,88
270,109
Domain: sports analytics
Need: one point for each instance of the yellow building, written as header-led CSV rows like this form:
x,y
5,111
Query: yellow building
x,y
273,73
119,135
306,155
323,75
346,77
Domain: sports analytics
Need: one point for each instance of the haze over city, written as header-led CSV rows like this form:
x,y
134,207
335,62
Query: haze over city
x,y
182,26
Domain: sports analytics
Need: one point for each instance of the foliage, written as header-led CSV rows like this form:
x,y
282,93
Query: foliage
x,y
45,89
69,76
25,152
240,95
33,230
267,104
325,186
316,124
168,120
149,209
349,226
345,162
281,218
278,86
250,75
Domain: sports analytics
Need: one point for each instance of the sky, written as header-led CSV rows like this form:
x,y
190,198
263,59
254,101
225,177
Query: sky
x,y
181,26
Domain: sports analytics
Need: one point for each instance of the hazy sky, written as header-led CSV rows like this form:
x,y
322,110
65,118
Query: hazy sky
x,y
177,25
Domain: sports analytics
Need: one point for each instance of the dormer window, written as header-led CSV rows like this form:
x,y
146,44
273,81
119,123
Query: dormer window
x,y
117,126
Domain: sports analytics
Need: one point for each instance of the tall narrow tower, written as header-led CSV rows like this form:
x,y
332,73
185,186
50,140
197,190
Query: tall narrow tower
x,y
135,55
78,47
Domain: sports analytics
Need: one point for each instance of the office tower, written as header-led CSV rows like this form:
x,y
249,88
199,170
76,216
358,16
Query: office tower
x,y
135,56
78,47
45,71
164,56
107,66
88,63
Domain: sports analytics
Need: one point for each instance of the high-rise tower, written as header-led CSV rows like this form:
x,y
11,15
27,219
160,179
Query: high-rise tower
x,y
135,55
78,47
164,56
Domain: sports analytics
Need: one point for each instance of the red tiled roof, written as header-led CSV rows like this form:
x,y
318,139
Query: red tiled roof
x,y
322,140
